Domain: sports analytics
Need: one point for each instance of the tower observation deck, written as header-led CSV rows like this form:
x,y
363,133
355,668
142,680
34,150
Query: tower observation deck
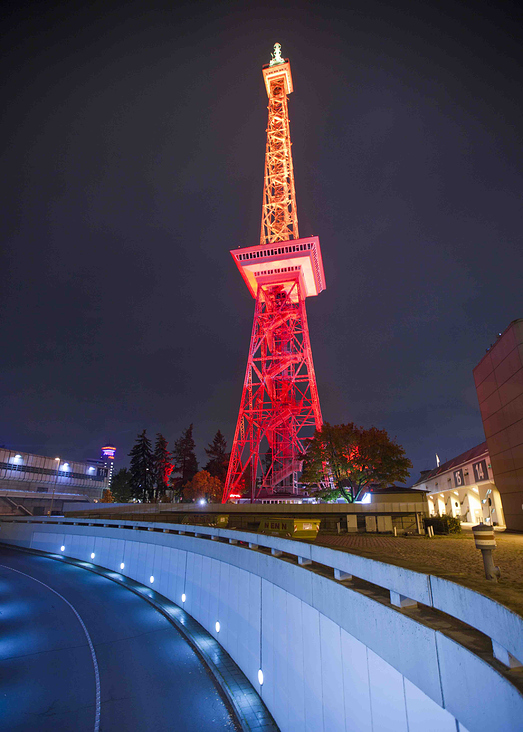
x,y
279,407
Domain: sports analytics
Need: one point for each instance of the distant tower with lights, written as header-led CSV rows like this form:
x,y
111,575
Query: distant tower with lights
x,y
279,407
108,453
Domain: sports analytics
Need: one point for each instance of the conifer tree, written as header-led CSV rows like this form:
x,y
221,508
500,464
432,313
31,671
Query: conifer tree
x,y
162,468
185,463
218,457
121,486
142,468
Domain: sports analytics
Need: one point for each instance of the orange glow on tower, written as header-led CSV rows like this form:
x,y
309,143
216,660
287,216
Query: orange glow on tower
x,y
279,215
280,407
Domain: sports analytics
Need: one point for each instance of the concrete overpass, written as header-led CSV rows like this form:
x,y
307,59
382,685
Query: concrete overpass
x,y
68,666
342,642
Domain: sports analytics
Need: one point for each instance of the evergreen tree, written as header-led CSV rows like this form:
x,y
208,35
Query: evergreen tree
x,y
121,486
185,463
218,457
162,468
142,468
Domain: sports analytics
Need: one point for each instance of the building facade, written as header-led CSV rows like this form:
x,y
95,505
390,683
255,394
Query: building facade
x,y
499,385
37,484
108,453
464,488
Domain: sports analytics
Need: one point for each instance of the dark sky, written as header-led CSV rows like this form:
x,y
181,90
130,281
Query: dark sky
x,y
134,136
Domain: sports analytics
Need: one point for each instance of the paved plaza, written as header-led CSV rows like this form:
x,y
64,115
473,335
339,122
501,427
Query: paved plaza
x,y
452,557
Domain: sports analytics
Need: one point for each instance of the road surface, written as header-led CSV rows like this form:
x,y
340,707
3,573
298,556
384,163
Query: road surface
x,y
79,652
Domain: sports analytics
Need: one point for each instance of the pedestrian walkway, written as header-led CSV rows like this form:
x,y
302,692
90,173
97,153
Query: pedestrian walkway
x,y
452,557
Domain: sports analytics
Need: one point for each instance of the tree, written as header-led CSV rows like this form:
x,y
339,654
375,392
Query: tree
x,y
142,468
203,486
121,486
218,457
354,457
185,463
107,496
162,467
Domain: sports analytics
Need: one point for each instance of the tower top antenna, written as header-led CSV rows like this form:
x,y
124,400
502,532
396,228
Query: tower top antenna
x,y
276,57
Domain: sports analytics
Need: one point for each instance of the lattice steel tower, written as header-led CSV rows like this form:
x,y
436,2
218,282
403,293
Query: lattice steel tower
x,y
279,408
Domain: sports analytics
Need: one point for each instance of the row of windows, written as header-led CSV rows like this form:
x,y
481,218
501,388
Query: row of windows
x,y
37,461
100,476
276,271
272,252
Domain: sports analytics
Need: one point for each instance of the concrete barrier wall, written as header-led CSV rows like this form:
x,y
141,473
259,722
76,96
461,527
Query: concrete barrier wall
x,y
332,658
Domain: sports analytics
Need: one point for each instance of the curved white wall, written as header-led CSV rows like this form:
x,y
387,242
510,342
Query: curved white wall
x,y
333,659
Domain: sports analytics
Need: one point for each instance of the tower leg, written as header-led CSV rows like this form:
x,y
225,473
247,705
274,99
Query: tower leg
x,y
279,408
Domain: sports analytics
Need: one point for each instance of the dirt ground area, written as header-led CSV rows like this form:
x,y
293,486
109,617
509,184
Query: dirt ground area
x,y
452,557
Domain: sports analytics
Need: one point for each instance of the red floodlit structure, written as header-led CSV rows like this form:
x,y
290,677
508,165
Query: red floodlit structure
x,y
279,408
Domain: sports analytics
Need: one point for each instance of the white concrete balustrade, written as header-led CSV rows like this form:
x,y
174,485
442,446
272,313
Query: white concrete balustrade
x,y
332,657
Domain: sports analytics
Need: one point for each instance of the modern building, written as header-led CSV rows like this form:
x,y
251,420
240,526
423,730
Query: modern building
x,y
499,385
464,488
37,485
108,453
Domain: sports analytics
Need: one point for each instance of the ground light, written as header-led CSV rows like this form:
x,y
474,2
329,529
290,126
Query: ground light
x,y
260,677
183,597
217,626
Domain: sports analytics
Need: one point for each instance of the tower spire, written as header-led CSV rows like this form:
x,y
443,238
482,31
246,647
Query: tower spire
x,y
279,214
279,407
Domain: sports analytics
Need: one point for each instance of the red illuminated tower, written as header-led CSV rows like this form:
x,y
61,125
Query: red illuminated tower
x,y
279,407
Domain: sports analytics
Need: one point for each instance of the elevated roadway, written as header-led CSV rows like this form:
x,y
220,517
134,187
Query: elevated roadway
x,y
79,653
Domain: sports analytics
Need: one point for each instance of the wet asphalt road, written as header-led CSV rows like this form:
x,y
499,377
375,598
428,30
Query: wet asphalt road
x,y
149,677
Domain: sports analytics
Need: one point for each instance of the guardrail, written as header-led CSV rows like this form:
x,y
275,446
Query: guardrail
x,y
406,587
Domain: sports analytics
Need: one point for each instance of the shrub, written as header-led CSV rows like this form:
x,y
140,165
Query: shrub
x,y
444,524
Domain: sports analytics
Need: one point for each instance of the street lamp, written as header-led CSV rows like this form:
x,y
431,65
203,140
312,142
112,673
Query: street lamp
x,y
54,486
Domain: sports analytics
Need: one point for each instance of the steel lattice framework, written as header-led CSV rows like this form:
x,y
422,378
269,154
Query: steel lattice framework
x,y
279,408
279,215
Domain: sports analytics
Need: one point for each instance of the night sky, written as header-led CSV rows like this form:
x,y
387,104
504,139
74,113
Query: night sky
x,y
132,160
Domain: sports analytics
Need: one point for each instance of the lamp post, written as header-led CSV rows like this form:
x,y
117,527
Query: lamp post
x,y
54,486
